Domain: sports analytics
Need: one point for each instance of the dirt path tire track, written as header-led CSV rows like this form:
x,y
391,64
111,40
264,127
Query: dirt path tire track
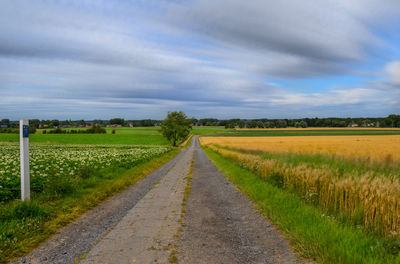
x,y
221,225
76,238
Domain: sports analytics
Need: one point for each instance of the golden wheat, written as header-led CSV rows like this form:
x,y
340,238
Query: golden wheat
x,y
372,148
376,196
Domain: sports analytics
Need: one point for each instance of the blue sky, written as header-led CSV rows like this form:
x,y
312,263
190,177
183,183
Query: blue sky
x,y
210,58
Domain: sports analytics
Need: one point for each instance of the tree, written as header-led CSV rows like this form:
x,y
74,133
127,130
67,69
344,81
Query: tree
x,y
175,127
117,121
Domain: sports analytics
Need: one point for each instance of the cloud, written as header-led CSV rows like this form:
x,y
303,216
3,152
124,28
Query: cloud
x,y
210,58
392,71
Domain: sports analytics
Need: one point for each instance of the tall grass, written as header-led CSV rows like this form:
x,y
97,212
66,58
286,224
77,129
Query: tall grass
x,y
370,199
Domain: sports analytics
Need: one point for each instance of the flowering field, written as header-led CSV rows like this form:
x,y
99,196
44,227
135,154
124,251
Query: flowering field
x,y
56,169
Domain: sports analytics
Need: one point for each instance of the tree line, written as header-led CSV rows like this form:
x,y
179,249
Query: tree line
x,y
389,121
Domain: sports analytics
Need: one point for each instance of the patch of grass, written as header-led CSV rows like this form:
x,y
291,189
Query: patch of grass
x,y
172,257
313,234
23,226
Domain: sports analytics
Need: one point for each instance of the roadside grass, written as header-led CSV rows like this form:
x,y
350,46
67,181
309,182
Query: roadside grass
x,y
312,233
24,225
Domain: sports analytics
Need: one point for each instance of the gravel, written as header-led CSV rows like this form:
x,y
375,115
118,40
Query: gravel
x,y
221,225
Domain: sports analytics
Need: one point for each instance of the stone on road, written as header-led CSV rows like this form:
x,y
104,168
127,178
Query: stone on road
x,y
146,233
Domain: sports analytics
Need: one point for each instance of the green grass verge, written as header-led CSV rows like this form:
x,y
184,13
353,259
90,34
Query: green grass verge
x,y
311,233
24,225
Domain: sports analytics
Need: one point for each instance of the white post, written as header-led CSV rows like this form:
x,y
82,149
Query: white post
x,y
24,153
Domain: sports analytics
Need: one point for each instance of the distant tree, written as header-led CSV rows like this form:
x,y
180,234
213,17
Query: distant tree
x,y
269,124
34,123
241,124
117,121
260,124
5,121
54,123
252,124
175,127
281,123
303,124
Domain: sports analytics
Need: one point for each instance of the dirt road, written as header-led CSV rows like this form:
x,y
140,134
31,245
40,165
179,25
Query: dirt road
x,y
142,224
221,226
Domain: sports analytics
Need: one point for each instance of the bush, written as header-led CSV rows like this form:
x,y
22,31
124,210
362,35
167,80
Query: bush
x,y
9,130
96,130
93,130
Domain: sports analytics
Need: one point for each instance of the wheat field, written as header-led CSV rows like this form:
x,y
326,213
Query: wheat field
x,y
368,197
374,148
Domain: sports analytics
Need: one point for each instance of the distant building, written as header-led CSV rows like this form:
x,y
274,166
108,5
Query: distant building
x,y
3,126
353,125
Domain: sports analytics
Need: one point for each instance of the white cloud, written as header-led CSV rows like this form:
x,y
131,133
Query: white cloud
x,y
393,73
210,58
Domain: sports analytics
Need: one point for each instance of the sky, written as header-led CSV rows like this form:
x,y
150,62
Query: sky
x,y
93,59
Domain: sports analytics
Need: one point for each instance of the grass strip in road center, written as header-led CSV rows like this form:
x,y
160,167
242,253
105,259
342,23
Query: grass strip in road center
x,y
312,234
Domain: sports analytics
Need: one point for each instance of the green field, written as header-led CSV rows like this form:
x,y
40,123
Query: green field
x,y
209,130
123,135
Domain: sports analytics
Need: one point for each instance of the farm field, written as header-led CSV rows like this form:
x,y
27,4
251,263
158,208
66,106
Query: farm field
x,y
123,136
278,132
354,180
372,148
67,179
202,130
59,168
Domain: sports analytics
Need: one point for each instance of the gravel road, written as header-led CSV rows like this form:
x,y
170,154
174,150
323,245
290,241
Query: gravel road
x,y
146,233
221,226
141,224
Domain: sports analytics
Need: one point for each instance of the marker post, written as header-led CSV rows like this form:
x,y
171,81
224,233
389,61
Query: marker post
x,y
24,154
